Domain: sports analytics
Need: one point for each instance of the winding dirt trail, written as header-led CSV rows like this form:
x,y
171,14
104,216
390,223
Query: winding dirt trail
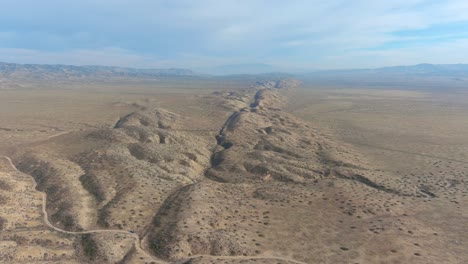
x,y
135,236
137,243
113,231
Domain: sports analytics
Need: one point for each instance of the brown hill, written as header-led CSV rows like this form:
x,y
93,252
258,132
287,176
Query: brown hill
x,y
267,187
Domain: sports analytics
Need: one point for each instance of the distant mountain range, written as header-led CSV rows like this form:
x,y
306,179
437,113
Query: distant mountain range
x,y
426,76
15,71
423,69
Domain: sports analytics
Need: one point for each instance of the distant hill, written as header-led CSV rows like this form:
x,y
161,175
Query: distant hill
x,y
427,76
419,69
428,69
13,71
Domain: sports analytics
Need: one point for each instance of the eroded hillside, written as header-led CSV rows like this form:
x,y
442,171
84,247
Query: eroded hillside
x,y
265,187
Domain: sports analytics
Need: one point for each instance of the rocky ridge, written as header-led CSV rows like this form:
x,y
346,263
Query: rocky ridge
x,y
264,181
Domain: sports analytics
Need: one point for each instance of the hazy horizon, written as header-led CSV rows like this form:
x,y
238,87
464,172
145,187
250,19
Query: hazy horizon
x,y
257,68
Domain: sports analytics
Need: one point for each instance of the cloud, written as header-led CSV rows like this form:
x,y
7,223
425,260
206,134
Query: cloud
x,y
164,32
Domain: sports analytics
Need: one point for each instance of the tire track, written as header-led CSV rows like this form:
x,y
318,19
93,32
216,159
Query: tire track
x,y
240,258
411,153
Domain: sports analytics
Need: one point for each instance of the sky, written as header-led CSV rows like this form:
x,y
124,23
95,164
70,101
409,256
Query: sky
x,y
294,35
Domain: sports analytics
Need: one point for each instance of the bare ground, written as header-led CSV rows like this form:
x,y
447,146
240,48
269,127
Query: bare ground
x,y
252,184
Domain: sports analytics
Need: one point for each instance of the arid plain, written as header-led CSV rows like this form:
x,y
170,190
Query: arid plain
x,y
231,171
